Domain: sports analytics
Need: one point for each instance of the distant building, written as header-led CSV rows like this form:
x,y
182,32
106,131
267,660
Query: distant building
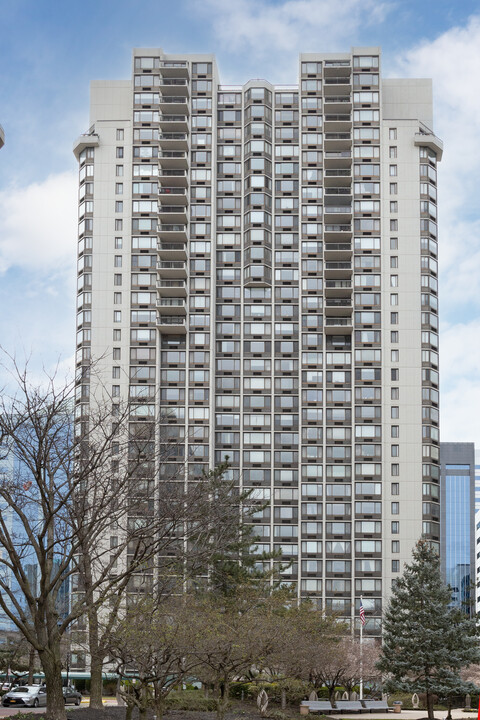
x,y
2,137
457,520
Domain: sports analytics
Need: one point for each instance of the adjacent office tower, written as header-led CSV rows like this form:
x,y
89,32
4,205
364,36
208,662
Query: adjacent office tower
x,y
257,272
457,498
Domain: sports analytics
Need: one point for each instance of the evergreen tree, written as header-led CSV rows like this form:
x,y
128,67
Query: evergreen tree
x,y
426,642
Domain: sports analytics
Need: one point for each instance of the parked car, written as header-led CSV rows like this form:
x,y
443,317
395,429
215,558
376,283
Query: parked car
x,y
71,695
29,695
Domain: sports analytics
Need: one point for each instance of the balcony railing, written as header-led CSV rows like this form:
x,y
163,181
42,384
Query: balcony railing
x,y
338,228
339,154
172,136
336,99
173,99
342,118
337,80
172,190
338,208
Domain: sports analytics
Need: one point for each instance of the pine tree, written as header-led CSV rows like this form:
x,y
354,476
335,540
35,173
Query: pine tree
x,y
426,642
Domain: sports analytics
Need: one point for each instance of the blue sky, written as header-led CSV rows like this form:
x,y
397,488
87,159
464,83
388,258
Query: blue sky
x,y
49,52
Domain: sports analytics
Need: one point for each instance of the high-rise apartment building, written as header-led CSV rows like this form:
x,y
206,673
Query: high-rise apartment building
x,y
457,525
257,272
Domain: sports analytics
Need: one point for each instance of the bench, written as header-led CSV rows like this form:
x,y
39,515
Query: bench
x,y
349,706
376,705
320,706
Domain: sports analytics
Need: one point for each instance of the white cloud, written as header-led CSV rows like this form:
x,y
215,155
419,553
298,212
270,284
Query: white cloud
x,y
38,225
275,33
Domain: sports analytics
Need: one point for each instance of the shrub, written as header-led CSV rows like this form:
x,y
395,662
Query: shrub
x,y
190,700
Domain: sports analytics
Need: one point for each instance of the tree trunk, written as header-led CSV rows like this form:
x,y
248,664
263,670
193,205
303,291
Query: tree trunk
x,y
159,706
284,699
128,712
431,714
222,702
52,669
96,680
31,665
449,707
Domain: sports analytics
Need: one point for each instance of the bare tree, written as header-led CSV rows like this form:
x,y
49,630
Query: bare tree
x,y
81,508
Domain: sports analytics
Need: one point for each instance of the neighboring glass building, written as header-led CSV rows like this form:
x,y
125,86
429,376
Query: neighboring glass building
x,y
457,501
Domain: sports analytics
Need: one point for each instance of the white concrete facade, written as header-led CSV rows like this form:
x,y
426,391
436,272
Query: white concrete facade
x,y
257,269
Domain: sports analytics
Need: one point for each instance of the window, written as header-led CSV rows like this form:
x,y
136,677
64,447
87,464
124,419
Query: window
x,y
117,335
117,316
117,353
119,152
394,299
393,171
119,206
120,134
394,336
119,188
394,318
395,488
392,133
117,261
393,225
118,243
395,546
394,393
394,243
394,450
393,188
394,412
394,261
395,527
117,279
116,373
395,469
118,224
119,170
115,390
393,280
394,206
395,566
117,298
395,431
394,374
392,152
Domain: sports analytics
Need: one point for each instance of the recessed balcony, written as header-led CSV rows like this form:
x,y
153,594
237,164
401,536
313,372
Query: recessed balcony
x,y
171,306
172,250
172,231
337,231
337,213
337,177
171,288
173,178
173,69
338,288
338,269
172,214
338,307
171,324
339,159
173,86
170,104
337,141
174,159
337,103
336,121
172,269
172,195
173,141
173,122
337,250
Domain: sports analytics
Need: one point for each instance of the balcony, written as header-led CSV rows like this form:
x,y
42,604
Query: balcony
x,y
172,195
338,288
172,269
171,324
173,141
173,69
173,177
337,307
172,231
336,121
337,232
179,86
337,141
172,122
431,141
339,159
174,104
337,103
337,177
171,306
172,251
171,288
82,142
338,269
341,213
172,213
173,159
337,251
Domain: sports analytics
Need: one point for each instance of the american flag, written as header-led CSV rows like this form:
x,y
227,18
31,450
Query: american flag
x,y
362,612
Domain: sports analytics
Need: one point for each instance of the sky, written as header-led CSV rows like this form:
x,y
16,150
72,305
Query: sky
x,y
51,50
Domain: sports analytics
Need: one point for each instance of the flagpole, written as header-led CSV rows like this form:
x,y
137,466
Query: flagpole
x,y
361,654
